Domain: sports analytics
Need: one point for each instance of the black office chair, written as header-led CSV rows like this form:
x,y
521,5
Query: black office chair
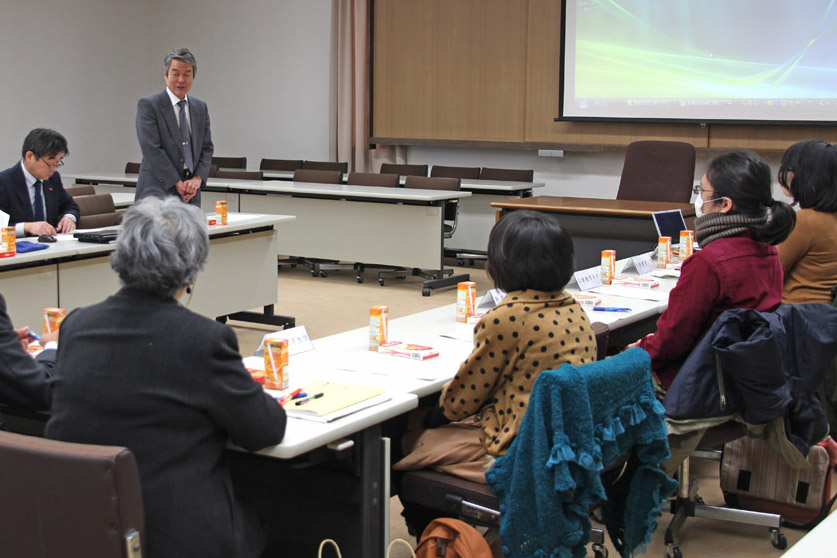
x,y
316,176
404,169
434,278
373,179
509,175
658,171
230,162
239,174
455,172
343,167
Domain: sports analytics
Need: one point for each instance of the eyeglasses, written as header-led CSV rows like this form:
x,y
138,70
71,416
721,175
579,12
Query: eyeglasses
x,y
696,189
53,165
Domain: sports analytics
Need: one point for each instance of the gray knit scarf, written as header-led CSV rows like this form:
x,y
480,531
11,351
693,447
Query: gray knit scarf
x,y
709,228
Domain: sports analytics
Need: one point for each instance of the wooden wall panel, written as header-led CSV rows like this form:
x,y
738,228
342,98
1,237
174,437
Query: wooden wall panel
x,y
450,70
483,71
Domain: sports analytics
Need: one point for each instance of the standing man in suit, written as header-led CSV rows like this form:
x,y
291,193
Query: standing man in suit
x,y
31,191
173,133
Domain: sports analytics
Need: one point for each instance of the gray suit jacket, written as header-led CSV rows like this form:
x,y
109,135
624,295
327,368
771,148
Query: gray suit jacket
x,y
159,138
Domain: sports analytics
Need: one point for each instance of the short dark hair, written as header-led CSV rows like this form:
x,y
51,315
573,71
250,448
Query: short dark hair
x,y
814,167
744,177
43,142
181,54
529,250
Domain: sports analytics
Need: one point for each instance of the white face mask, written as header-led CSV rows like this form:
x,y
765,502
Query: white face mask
x,y
699,205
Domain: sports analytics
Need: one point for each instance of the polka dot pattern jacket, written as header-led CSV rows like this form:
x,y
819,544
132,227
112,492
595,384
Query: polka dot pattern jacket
x,y
529,331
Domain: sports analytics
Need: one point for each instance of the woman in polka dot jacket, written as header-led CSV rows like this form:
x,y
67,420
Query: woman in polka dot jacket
x,y
536,327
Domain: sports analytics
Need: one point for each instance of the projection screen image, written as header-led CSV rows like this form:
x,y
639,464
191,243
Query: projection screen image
x,y
700,60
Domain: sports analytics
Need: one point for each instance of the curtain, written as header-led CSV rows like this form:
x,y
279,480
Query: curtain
x,y
353,91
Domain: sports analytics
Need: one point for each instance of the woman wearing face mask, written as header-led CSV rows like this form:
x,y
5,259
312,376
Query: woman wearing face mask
x,y
738,223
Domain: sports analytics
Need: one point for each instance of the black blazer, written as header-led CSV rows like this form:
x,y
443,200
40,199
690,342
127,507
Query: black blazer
x,y
14,198
159,137
23,380
147,373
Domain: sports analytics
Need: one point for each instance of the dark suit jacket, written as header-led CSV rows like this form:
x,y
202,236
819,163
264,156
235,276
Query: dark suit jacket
x,y
23,380
147,373
14,198
159,138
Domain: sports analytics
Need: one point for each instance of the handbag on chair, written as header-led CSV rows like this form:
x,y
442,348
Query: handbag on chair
x,y
755,477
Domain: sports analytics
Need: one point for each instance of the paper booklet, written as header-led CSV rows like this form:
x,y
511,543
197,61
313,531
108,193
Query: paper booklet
x,y
337,400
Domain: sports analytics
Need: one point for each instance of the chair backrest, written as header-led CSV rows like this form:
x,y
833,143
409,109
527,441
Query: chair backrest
x,y
373,179
658,171
318,176
132,168
455,172
325,165
97,211
83,190
230,162
514,175
70,500
213,170
280,164
404,169
602,333
239,174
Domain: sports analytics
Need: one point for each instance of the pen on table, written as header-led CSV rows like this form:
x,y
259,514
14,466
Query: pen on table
x,y
284,399
610,309
309,398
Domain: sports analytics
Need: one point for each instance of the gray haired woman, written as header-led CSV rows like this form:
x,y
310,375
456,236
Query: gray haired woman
x,y
142,371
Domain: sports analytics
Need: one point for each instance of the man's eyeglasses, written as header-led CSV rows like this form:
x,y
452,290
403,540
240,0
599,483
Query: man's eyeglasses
x,y
53,165
696,189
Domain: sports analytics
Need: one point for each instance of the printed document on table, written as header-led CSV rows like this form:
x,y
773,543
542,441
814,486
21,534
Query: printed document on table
x,y
632,292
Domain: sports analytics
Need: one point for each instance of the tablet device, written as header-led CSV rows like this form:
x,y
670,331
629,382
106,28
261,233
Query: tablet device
x,y
669,223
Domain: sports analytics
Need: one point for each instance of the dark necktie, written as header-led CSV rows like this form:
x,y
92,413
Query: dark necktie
x,y
185,137
39,202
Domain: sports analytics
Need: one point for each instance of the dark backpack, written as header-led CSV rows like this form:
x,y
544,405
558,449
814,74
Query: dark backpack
x,y
451,538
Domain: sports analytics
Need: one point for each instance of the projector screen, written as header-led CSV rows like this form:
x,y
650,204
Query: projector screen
x,y
700,60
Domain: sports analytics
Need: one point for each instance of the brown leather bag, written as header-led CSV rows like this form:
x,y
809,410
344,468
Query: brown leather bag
x,y
451,538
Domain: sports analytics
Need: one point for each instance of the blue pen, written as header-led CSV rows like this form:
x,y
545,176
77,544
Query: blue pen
x,y
610,309
34,335
300,395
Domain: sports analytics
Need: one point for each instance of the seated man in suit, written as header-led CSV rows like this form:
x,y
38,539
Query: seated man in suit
x,y
31,191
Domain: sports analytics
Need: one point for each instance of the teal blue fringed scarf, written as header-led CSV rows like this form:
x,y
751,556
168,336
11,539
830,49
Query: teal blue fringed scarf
x,y
581,420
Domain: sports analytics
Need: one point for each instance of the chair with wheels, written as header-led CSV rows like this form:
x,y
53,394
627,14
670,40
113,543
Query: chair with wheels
x,y
404,169
443,277
748,375
658,171
230,162
70,500
455,172
97,211
625,456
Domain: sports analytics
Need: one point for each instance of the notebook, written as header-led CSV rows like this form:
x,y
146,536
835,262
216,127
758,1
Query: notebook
x,y
337,400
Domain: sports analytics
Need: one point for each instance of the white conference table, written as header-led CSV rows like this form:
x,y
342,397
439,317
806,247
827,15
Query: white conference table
x,y
476,216
367,224
240,273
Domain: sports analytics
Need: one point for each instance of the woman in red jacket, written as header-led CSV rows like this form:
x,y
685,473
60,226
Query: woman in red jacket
x,y
738,225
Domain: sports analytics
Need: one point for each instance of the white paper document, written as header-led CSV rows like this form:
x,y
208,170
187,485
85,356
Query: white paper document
x,y
632,292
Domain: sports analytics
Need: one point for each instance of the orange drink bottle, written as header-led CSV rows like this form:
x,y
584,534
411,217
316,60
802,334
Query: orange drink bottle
x,y
687,243
53,318
8,242
378,326
466,294
276,364
608,266
663,251
221,211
